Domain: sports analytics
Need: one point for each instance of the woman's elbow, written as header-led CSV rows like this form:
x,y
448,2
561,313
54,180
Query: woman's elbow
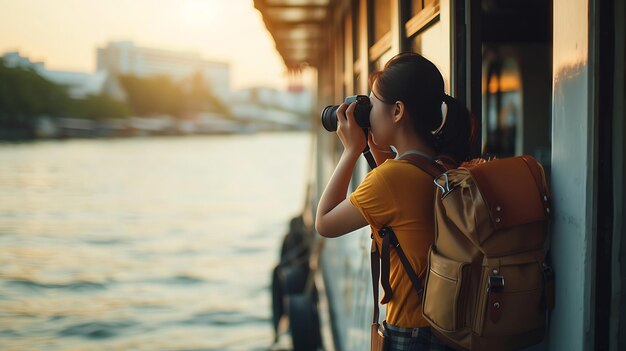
x,y
323,228
319,227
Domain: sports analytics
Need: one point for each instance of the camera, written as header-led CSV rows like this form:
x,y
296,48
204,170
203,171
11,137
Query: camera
x,y
361,112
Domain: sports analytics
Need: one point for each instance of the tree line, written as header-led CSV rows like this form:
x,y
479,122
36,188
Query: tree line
x,y
25,96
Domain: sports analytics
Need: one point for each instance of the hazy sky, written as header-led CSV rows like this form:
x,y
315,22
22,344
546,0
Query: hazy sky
x,y
65,33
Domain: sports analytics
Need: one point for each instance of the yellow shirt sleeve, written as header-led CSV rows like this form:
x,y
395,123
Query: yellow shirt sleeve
x,y
373,199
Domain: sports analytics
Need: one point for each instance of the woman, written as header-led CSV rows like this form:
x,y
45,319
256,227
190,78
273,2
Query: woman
x,y
411,112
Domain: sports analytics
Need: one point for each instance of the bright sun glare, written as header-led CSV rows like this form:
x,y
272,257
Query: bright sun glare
x,y
199,12
222,30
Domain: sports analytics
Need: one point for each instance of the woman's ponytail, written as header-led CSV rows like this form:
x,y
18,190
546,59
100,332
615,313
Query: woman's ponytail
x,y
458,130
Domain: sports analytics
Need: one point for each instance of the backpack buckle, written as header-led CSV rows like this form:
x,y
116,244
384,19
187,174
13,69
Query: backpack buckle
x,y
446,189
496,283
495,302
384,231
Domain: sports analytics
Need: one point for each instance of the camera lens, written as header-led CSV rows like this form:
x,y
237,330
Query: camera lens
x,y
329,118
361,112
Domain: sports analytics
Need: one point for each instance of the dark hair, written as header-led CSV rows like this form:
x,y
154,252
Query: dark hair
x,y
414,80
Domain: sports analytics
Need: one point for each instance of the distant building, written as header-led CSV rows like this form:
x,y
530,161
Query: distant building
x,y
79,84
299,102
280,108
13,59
124,57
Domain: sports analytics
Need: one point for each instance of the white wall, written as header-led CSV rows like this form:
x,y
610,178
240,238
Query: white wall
x,y
571,325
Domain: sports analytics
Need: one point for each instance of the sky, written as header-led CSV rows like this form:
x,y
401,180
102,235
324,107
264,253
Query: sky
x,y
65,33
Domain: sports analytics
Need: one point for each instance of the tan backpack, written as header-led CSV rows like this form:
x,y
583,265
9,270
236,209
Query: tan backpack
x,y
488,286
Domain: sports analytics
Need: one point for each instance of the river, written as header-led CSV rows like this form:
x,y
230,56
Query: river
x,y
162,243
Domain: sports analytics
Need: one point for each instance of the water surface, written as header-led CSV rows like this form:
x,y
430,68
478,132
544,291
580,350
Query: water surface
x,y
147,243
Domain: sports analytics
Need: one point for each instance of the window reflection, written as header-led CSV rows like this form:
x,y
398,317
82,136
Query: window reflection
x,y
431,44
502,112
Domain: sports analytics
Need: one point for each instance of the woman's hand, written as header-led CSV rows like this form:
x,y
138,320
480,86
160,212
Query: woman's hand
x,y
380,152
350,133
336,215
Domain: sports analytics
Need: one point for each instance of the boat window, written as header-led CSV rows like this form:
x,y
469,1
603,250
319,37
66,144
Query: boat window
x,y
380,63
340,62
381,18
357,37
502,114
431,44
418,5
428,43
348,51
423,13
356,33
516,47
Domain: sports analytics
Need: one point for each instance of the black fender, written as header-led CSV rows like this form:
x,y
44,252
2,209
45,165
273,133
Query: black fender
x,y
304,322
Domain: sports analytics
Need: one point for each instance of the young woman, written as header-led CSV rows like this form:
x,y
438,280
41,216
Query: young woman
x,y
411,112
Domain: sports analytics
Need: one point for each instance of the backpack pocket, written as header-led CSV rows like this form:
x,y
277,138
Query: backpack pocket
x,y
512,299
445,302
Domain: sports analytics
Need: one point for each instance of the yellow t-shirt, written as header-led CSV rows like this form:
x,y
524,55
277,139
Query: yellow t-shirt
x,y
399,195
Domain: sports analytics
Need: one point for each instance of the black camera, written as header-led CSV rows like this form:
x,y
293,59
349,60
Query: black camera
x,y
361,112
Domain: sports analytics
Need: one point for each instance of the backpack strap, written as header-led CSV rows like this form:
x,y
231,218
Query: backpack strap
x,y
433,168
539,176
375,260
385,267
390,239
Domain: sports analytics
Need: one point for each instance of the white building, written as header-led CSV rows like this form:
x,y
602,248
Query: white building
x,y
299,102
277,107
124,57
79,84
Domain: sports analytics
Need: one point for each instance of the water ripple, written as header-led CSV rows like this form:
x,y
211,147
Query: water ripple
x,y
74,285
224,318
97,330
184,279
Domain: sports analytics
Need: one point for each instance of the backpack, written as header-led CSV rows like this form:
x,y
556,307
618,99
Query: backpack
x,y
488,285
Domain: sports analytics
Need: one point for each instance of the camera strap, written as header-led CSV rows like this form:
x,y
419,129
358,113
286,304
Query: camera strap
x,y
369,157
367,153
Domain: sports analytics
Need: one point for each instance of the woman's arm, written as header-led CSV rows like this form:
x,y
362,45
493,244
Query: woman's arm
x,y
335,214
